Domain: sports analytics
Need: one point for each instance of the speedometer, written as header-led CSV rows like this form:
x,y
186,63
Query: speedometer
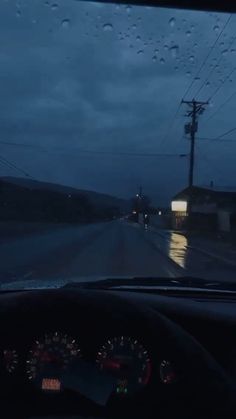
x,y
128,361
49,358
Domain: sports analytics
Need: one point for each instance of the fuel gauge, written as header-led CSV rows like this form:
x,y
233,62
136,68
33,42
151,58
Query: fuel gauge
x,y
10,359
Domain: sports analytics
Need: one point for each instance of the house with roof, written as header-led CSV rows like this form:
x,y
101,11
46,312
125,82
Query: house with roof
x,y
205,209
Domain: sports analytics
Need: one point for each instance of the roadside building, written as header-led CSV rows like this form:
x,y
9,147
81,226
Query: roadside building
x,y
204,209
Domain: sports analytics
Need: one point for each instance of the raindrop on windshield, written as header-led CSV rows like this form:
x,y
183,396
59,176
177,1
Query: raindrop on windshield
x,y
54,6
134,26
208,83
141,51
191,59
174,51
166,47
154,58
188,73
188,33
65,23
172,22
108,27
162,61
128,9
176,68
216,28
18,13
233,50
156,51
224,52
138,38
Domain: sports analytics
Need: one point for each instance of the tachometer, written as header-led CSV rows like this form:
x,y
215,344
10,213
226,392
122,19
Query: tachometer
x,y
128,361
48,360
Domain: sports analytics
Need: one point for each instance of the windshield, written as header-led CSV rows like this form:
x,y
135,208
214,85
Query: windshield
x,y
117,142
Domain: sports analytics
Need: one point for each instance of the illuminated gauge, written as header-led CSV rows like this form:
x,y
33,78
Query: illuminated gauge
x,y
167,373
128,361
10,359
48,360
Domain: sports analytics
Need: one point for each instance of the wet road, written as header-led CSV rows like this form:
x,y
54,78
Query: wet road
x,y
116,248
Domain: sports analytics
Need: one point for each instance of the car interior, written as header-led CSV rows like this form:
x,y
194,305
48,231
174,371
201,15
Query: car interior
x,y
110,352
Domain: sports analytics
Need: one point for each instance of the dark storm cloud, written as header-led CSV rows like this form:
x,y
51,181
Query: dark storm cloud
x,y
101,77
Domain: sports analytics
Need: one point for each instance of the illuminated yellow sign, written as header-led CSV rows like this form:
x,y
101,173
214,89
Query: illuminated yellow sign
x,y
179,206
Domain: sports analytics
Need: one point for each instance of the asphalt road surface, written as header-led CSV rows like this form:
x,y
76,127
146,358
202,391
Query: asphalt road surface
x,y
117,248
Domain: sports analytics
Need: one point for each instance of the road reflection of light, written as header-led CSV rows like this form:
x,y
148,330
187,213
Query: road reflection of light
x,y
178,249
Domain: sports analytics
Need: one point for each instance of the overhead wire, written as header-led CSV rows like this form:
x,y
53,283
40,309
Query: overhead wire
x,y
207,56
220,107
222,84
213,69
11,165
193,81
109,152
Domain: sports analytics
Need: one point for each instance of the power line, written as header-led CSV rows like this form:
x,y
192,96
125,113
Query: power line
x,y
171,125
222,84
220,107
228,132
13,166
208,55
109,152
215,140
213,69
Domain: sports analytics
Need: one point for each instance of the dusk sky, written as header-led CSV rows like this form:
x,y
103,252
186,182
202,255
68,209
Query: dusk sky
x,y
87,87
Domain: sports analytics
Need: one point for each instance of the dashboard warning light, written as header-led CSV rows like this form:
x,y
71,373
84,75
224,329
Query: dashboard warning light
x,y
51,384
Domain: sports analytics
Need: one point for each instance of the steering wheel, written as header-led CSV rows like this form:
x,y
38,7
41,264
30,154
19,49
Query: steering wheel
x,y
201,389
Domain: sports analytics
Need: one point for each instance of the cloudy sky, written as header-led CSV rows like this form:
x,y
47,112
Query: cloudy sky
x,y
90,95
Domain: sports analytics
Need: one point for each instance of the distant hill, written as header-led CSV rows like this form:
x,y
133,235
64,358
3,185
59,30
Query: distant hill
x,y
28,199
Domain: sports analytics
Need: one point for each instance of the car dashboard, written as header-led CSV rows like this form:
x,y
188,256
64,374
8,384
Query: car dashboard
x,y
105,353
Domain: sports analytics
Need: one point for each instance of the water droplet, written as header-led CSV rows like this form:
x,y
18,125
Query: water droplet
x,y
162,61
188,73
54,6
128,9
65,23
233,50
188,33
192,27
134,26
154,58
138,38
216,28
172,22
191,59
224,52
156,51
108,27
208,83
176,68
174,51
166,47
18,13
141,51
46,3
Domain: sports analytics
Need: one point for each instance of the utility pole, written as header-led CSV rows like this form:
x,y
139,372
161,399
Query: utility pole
x,y
197,108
